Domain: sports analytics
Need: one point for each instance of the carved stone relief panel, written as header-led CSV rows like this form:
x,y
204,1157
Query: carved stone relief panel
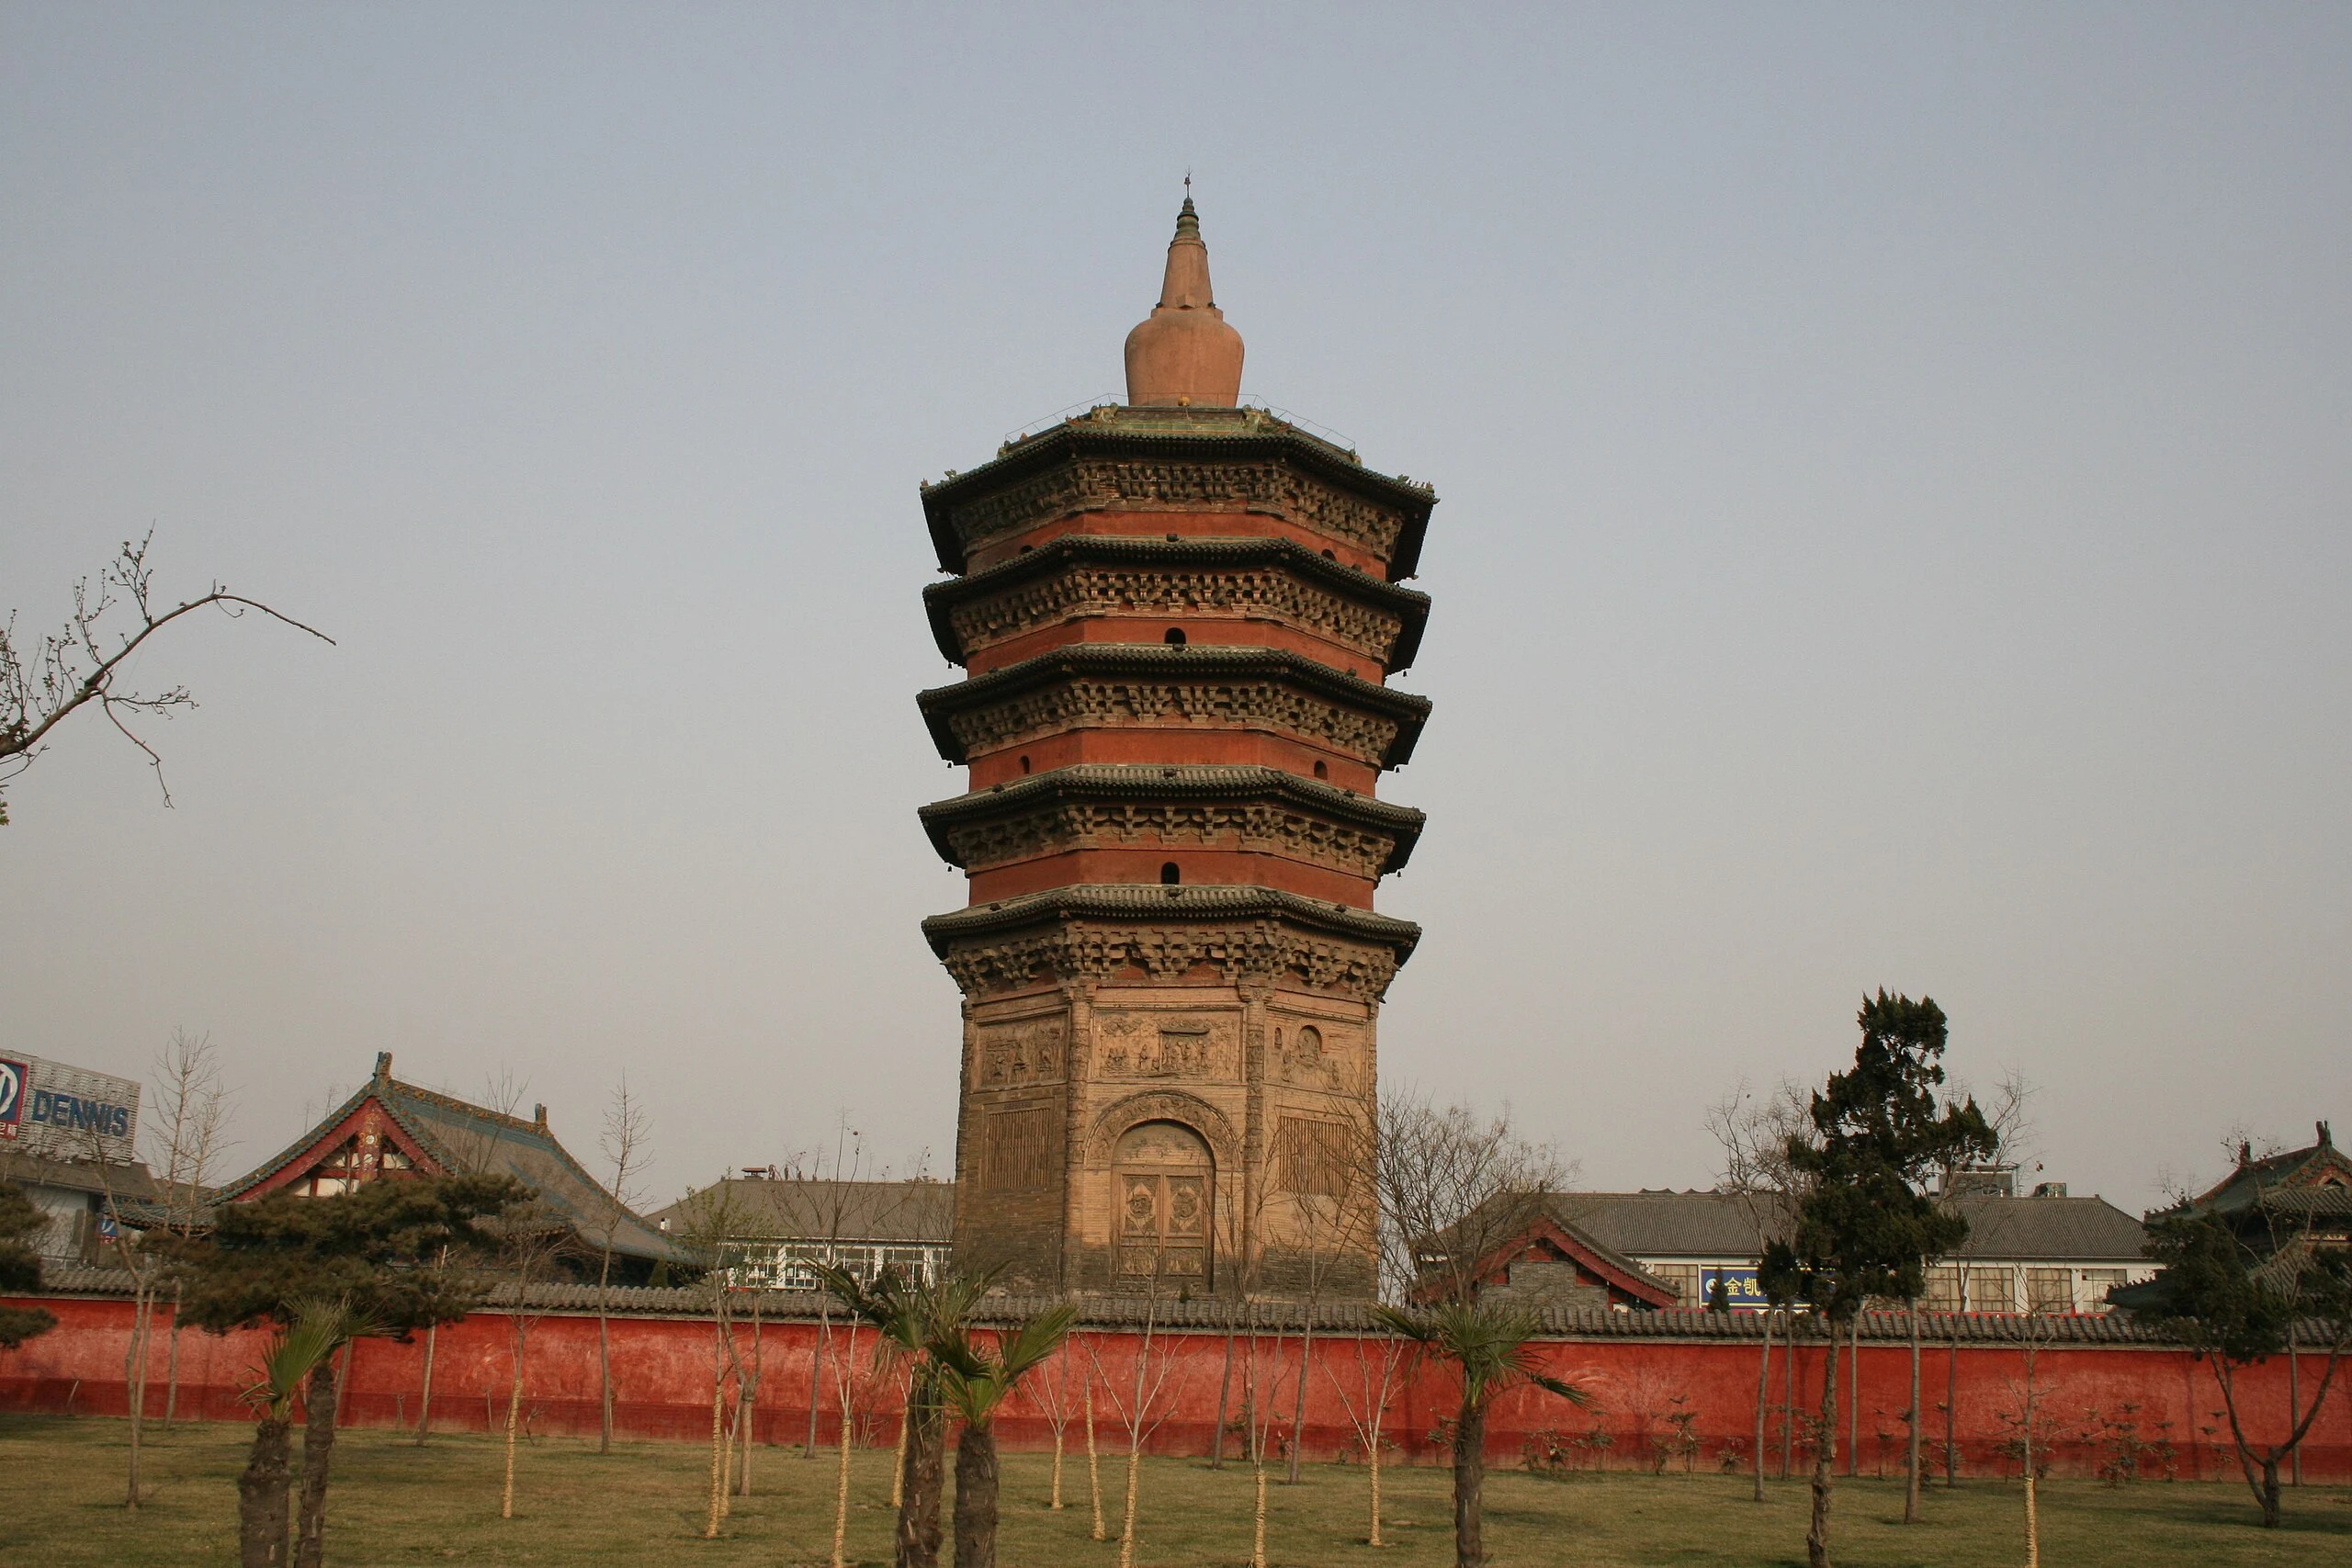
x,y
1167,1045
1318,1054
1017,1054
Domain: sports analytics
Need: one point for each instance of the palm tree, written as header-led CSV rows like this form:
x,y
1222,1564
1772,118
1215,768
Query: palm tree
x,y
915,1317
1493,1347
299,1348
972,1383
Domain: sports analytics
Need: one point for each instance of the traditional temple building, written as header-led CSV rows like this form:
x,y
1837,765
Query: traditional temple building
x,y
1178,617
394,1130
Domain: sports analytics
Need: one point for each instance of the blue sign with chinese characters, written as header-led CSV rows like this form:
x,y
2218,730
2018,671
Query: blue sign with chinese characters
x,y
1739,1284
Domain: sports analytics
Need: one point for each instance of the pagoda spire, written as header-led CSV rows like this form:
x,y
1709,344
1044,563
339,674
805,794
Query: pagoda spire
x,y
1184,354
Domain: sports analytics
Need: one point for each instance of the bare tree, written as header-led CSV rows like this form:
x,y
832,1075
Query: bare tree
x,y
1380,1361
531,1239
186,1148
1753,1129
1324,1173
1052,1398
146,1272
41,684
1146,1403
714,1218
627,1127
1453,1189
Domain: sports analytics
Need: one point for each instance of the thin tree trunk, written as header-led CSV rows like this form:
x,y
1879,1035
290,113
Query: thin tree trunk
x,y
747,1401
1952,1411
603,1355
1257,1525
1372,1461
514,1420
1059,1432
841,1488
170,1378
318,1452
1763,1399
1094,1465
975,1493
1854,1395
2032,1518
717,1418
424,1405
1469,1485
134,1378
816,1372
1911,1435
261,1496
1789,1398
2272,1511
1127,1528
1824,1458
899,1464
1224,1390
728,1429
1298,1404
2294,1397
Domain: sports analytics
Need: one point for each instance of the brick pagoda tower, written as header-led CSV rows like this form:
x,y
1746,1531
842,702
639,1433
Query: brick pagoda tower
x,y
1176,617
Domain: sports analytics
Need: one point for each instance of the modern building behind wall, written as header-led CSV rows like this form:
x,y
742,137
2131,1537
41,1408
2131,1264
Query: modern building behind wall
x,y
2044,1253
768,1228
68,1138
1178,617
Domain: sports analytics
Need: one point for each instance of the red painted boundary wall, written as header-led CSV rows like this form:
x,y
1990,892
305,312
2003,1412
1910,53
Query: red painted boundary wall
x,y
664,1365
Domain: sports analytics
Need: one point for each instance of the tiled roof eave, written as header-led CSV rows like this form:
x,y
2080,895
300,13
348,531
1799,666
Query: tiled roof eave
x,y
1127,904
1270,440
1408,604
1122,783
939,705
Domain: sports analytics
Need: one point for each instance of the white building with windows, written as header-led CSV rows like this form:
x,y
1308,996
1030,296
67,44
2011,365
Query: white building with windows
x,y
768,1228
2046,1253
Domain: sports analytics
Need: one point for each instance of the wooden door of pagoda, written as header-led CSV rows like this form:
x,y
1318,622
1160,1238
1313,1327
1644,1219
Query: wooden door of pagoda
x,y
1166,1185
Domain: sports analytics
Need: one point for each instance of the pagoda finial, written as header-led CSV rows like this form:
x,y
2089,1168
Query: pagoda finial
x,y
1185,354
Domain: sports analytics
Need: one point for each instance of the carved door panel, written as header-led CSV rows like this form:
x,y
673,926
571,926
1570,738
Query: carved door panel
x,y
1165,1189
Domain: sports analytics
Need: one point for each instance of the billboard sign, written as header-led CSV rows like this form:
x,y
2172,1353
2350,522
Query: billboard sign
x,y
14,1076
66,1112
1739,1284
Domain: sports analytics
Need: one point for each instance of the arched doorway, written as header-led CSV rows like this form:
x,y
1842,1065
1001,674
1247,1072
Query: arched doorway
x,y
1166,1184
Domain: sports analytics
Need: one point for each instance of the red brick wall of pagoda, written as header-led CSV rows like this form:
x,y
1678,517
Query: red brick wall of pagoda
x,y
662,1368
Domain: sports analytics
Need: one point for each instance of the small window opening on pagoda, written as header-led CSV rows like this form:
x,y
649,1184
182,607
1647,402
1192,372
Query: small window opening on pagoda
x,y
1175,638
1331,554
1322,769
1171,875
1024,765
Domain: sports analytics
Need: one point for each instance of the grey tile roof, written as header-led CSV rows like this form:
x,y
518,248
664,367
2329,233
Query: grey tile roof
x,y
1720,1226
905,1212
459,1135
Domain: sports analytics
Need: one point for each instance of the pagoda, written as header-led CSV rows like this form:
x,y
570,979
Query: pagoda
x,y
1177,617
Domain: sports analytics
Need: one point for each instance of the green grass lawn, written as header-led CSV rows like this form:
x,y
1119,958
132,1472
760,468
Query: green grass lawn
x,y
392,1503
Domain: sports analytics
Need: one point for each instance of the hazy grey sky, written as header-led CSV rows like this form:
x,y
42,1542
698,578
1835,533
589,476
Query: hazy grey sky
x,y
1896,467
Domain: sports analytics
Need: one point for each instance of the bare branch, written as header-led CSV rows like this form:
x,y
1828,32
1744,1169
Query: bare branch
x,y
77,665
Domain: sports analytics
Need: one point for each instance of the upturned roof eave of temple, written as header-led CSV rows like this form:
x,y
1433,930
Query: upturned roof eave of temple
x,y
1122,783
1198,437
1410,606
940,704
1149,903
